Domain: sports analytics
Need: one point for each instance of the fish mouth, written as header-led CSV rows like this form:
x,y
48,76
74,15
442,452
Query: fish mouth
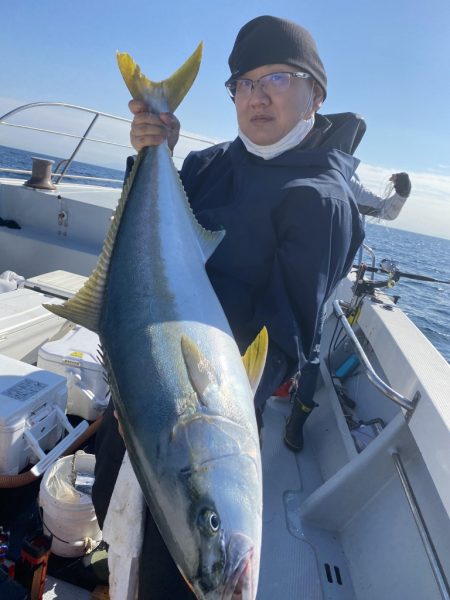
x,y
240,584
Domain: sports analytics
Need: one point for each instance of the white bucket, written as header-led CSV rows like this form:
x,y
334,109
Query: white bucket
x,y
67,513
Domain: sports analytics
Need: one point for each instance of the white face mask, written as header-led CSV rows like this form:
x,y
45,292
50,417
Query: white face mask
x,y
290,140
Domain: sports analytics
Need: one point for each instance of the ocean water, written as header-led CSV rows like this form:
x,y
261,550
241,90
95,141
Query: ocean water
x,y
22,159
427,304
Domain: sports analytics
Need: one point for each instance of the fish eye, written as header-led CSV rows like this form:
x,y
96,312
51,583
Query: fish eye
x,y
209,521
214,522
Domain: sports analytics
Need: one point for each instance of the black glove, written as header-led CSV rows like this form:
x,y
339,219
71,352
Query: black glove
x,y
402,184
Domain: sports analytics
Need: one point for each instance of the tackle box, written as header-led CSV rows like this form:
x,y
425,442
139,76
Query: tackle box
x,y
25,324
32,404
76,357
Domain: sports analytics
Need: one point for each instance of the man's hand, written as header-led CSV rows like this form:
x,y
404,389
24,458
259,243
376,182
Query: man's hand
x,y
402,184
149,129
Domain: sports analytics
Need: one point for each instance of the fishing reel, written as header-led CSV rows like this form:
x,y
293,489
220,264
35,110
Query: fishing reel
x,y
390,267
368,286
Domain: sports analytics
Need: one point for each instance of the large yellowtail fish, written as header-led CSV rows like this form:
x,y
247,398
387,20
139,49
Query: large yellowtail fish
x,y
178,382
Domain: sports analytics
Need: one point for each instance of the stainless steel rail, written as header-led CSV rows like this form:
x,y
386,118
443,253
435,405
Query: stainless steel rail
x,y
368,250
80,143
372,254
436,566
63,134
384,388
82,138
63,104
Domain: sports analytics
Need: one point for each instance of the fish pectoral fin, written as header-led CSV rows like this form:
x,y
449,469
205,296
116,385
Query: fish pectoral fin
x,y
85,307
254,358
200,371
171,91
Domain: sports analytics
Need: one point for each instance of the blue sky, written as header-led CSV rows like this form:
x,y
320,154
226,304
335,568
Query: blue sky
x,y
387,60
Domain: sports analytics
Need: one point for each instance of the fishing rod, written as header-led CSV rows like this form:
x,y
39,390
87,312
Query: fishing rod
x,y
390,267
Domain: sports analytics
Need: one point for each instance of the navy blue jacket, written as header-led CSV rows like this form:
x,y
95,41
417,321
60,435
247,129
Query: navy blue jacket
x,y
292,231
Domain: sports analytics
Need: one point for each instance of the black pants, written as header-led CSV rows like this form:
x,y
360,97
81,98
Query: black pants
x,y
309,372
160,578
277,370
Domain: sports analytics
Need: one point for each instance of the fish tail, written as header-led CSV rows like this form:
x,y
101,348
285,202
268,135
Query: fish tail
x,y
160,95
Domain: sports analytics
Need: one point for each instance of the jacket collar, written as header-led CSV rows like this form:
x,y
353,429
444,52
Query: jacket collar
x,y
302,155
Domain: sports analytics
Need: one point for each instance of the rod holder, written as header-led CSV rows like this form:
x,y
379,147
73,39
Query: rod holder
x,y
41,174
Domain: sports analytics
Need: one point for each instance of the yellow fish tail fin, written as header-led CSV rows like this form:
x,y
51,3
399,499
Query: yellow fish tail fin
x,y
164,95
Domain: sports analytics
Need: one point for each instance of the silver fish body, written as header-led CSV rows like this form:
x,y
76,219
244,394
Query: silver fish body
x,y
190,429
177,379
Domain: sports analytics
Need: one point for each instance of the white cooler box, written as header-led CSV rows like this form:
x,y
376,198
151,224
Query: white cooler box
x,y
57,283
27,399
76,357
25,324
32,419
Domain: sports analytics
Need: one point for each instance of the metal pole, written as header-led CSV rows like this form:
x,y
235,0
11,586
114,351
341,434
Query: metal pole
x,y
390,393
69,162
436,566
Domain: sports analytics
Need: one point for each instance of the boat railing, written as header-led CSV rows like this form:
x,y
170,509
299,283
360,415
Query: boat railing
x,y
61,172
372,376
364,248
82,138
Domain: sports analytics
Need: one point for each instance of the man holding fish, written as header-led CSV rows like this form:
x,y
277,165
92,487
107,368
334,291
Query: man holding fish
x,y
282,195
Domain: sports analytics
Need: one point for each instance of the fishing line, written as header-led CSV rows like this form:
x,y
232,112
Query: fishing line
x,y
380,221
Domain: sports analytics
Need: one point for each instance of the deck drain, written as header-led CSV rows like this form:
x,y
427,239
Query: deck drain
x,y
337,574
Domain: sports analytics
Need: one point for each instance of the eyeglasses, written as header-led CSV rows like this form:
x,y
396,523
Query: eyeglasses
x,y
273,83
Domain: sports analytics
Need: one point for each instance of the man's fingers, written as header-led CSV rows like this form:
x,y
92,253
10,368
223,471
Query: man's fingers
x,y
144,125
147,129
141,142
170,120
137,106
150,129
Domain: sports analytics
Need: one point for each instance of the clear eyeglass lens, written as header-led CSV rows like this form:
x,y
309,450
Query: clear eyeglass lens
x,y
275,82
271,83
243,86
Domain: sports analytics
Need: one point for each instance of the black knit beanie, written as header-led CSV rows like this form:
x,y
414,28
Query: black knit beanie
x,y
270,40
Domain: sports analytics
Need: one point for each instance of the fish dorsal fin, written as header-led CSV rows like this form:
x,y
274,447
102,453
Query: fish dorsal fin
x,y
255,358
208,240
86,306
200,371
160,95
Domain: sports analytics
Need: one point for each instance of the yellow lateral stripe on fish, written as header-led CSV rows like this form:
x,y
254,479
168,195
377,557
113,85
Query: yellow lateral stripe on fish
x,y
172,90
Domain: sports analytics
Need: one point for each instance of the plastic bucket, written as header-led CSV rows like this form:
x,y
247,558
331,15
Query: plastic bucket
x,y
68,514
